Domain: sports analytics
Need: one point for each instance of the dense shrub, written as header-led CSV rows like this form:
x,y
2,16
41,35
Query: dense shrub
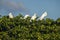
x,y
23,29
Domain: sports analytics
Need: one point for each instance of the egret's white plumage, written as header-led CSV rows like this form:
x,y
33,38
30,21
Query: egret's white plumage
x,y
10,15
26,16
43,15
33,17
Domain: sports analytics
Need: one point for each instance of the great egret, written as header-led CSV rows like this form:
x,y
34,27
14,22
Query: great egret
x,y
10,15
43,15
26,16
33,17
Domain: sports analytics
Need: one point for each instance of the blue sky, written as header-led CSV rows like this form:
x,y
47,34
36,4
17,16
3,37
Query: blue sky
x,y
52,7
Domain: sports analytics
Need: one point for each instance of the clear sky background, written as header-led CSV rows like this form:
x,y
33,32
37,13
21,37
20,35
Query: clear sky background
x,y
52,7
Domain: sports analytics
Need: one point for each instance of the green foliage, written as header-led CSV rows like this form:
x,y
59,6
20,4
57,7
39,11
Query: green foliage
x,y
22,29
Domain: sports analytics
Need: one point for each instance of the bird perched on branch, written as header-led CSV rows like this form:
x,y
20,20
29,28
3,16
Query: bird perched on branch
x,y
34,17
10,15
43,15
26,16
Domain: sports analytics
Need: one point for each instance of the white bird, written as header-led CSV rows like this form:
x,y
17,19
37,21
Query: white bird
x,y
43,15
34,17
10,15
26,16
